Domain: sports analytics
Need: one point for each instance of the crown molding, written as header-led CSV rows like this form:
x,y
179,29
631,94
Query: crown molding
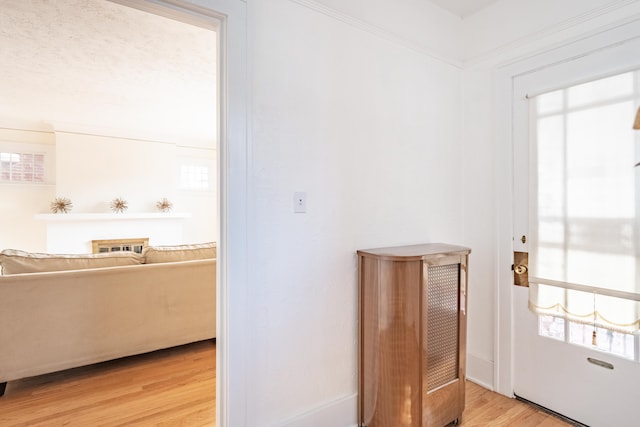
x,y
378,31
178,10
552,30
133,134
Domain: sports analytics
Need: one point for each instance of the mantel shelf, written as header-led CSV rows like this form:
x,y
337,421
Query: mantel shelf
x,y
111,216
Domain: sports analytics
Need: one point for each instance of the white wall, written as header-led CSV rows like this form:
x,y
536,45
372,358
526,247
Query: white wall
x,y
93,170
369,128
202,205
478,165
19,202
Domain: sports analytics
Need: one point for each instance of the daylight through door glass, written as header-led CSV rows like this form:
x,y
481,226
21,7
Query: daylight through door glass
x,y
584,231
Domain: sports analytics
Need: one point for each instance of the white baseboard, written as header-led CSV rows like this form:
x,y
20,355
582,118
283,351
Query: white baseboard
x,y
342,412
480,371
339,413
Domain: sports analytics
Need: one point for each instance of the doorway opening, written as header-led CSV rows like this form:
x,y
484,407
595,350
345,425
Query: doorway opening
x,y
205,18
79,125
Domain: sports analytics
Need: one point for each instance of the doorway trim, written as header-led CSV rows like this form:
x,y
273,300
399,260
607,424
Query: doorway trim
x,y
228,18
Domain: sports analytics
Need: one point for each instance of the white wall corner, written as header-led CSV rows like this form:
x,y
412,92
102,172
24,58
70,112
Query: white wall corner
x,y
539,26
338,413
427,30
480,371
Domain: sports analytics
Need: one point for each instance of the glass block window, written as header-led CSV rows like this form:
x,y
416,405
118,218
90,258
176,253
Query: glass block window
x,y
26,168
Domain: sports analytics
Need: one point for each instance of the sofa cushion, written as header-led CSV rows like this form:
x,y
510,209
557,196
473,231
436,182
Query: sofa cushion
x,y
14,261
156,254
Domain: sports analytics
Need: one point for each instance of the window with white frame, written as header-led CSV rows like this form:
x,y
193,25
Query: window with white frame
x,y
194,177
584,265
22,167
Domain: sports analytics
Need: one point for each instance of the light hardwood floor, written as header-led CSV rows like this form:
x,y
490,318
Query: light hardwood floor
x,y
176,387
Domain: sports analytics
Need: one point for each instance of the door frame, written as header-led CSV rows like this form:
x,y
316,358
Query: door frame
x,y
505,99
229,17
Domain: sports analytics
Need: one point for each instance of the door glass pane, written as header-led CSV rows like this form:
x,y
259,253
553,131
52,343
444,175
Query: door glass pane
x,y
600,174
600,90
607,340
585,186
584,205
550,102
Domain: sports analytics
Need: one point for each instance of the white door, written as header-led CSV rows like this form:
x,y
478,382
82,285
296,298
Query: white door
x,y
566,212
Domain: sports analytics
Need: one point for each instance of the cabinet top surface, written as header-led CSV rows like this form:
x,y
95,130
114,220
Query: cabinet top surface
x,y
415,251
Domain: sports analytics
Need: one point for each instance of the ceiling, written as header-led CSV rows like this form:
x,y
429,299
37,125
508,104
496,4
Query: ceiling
x,y
104,65
463,8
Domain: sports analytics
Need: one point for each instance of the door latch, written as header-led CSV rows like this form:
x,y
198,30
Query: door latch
x,y
520,269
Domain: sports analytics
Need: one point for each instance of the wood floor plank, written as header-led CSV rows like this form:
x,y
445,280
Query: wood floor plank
x,y
169,387
486,408
177,387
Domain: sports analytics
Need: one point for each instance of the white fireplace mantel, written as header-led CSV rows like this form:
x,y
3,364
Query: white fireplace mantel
x,y
73,232
110,216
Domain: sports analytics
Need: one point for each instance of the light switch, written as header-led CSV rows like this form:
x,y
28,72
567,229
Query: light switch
x,y
299,202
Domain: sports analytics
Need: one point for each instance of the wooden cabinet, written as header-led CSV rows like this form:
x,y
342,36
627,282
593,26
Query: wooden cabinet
x,y
412,335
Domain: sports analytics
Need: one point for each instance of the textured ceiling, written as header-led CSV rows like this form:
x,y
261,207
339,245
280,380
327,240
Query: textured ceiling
x,y
463,8
97,63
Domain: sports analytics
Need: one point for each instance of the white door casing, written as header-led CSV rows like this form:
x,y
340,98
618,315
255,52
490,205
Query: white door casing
x,y
229,17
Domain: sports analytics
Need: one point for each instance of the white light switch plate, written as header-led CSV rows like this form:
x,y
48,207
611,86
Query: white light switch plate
x,y
299,202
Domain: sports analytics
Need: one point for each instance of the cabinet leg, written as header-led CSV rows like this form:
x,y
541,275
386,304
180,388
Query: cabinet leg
x,y
3,387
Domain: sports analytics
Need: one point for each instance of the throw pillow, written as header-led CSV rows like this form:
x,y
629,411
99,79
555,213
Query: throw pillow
x,y
156,254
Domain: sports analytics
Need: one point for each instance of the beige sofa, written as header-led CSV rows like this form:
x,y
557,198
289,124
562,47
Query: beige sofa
x,y
64,311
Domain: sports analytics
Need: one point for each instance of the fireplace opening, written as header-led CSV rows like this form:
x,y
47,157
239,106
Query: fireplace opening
x,y
119,245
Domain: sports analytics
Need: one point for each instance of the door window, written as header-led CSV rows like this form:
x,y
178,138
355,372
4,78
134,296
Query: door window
x,y
584,230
